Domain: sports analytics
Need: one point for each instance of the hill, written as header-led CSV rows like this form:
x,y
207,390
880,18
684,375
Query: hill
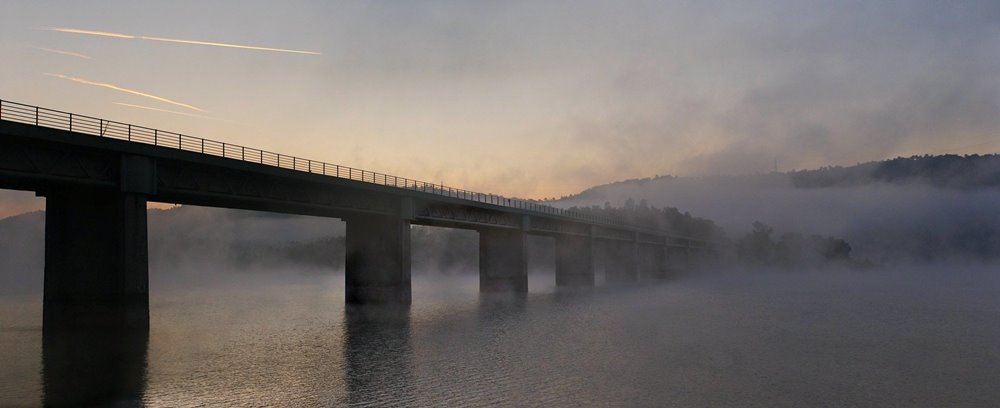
x,y
968,172
945,171
915,208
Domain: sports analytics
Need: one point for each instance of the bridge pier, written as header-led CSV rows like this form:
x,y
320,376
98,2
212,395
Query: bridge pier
x,y
574,261
678,261
377,270
653,262
96,260
622,265
503,263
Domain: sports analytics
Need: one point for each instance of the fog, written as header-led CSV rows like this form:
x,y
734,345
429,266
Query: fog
x,y
883,222
187,244
190,245
889,224
912,332
212,242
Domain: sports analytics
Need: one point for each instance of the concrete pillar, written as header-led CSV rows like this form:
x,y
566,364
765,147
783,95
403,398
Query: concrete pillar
x,y
574,261
688,262
622,264
378,260
94,368
503,265
679,261
652,262
96,260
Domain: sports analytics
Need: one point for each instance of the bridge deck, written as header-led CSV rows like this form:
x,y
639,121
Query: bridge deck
x,y
187,166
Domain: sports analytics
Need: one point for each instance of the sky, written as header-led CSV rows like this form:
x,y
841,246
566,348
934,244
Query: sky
x,y
534,98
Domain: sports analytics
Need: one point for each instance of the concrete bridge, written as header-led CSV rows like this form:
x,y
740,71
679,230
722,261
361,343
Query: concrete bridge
x,y
97,176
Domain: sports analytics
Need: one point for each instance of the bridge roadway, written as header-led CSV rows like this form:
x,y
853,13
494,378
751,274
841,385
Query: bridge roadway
x,y
97,176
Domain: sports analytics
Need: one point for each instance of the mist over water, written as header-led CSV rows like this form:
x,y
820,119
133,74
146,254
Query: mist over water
x,y
890,338
271,330
887,223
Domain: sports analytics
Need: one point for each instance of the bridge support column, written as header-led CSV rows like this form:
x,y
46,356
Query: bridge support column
x,y
378,260
622,262
574,261
678,261
96,261
503,265
653,262
682,261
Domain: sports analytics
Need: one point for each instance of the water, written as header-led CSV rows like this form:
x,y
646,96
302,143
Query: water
x,y
761,340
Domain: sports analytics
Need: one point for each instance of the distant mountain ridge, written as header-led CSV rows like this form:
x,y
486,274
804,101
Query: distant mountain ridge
x,y
917,208
947,171
967,172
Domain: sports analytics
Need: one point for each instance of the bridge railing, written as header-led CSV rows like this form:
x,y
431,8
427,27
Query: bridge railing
x,y
50,118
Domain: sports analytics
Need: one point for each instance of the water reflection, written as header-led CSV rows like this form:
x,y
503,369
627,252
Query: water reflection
x,y
87,368
499,307
378,355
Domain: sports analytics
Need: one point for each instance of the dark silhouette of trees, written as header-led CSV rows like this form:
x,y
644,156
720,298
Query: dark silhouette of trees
x,y
950,171
757,247
792,250
668,219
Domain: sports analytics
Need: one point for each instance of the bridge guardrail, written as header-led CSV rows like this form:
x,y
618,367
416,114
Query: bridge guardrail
x,y
51,118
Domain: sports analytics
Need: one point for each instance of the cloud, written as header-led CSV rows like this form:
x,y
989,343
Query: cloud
x,y
806,84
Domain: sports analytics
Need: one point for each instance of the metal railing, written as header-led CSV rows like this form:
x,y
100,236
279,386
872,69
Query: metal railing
x,y
50,118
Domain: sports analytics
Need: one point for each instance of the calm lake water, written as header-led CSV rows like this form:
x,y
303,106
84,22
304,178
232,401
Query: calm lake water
x,y
886,339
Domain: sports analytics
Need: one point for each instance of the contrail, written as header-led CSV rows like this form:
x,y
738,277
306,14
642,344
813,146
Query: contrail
x,y
126,90
89,32
175,40
170,111
61,52
215,44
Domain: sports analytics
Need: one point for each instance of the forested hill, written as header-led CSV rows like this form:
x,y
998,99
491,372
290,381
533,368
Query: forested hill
x,y
968,172
949,171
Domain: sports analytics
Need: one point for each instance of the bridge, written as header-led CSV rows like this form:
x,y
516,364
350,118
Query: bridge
x,y
97,176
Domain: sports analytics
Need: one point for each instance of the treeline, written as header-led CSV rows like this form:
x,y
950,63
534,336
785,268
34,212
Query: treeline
x,y
759,247
949,171
668,219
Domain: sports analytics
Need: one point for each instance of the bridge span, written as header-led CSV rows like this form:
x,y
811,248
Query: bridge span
x,y
97,176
